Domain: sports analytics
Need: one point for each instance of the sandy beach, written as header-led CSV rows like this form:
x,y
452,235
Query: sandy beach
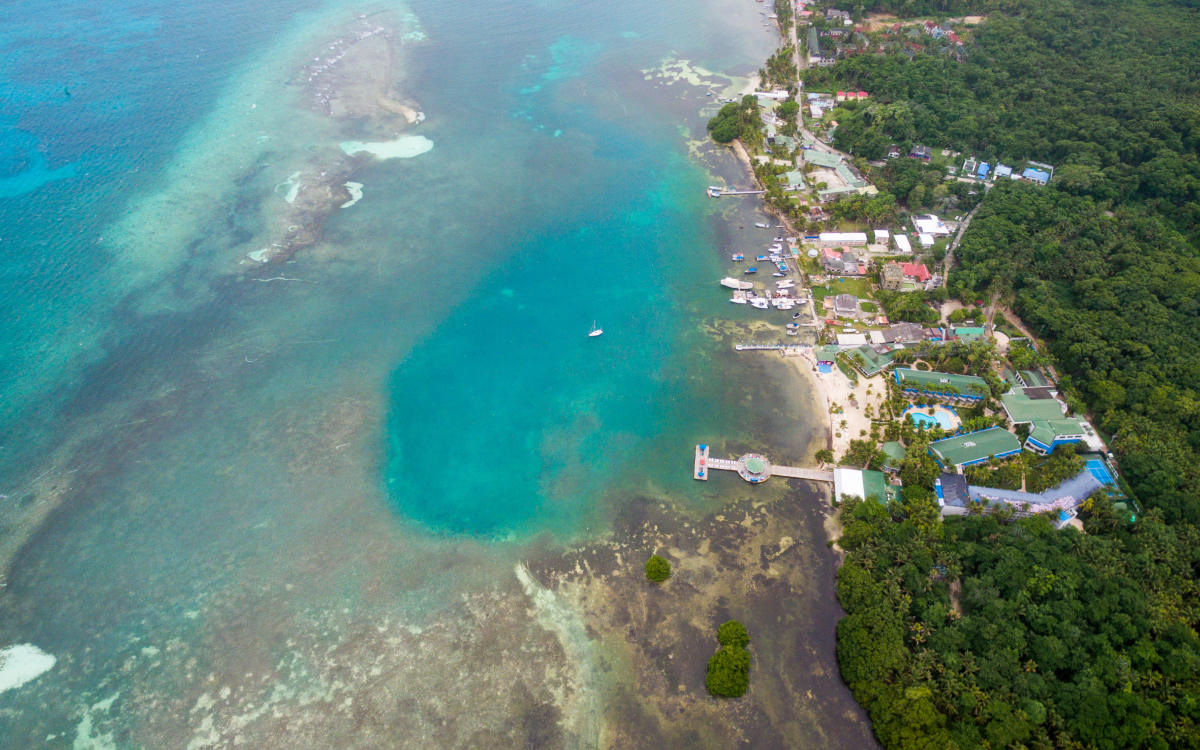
x,y
835,389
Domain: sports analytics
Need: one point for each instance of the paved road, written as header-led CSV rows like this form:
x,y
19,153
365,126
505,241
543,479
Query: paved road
x,y
801,66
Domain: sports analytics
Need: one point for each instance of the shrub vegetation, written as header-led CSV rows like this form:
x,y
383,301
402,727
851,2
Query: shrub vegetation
x,y
729,668
658,569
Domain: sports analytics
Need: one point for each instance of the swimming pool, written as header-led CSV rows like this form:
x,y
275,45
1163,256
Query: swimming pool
x,y
942,417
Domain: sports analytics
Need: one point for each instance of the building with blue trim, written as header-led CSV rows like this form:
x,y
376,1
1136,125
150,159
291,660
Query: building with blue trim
x,y
953,453
941,385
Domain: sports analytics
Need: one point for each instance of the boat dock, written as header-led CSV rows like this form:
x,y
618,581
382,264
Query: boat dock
x,y
752,467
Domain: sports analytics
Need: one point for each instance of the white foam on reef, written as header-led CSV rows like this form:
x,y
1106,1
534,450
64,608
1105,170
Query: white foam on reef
x,y
355,190
21,663
294,186
404,147
262,256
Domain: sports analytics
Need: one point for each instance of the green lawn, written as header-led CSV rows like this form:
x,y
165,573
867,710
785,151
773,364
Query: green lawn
x,y
860,288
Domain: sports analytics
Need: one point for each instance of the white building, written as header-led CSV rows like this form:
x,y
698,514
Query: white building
x,y
843,238
926,240
851,340
931,224
902,244
881,236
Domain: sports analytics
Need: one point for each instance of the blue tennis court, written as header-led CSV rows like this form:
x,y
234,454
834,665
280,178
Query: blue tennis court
x,y
1100,471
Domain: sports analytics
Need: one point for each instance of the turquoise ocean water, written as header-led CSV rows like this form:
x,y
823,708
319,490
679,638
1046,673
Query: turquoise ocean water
x,y
204,460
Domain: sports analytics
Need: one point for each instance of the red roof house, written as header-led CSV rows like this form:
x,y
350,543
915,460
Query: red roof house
x,y
914,271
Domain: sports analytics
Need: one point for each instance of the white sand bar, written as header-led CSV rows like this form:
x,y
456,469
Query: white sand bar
x,y
21,663
404,147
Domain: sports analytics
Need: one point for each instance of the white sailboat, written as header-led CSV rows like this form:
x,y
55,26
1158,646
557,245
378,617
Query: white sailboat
x,y
595,331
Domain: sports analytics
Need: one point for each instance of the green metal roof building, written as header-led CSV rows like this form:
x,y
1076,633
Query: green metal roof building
x,y
942,384
868,361
974,447
822,159
795,180
1049,434
1021,408
1034,379
893,454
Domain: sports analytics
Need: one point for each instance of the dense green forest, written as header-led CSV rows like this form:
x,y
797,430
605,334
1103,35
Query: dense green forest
x,y
975,633
1055,639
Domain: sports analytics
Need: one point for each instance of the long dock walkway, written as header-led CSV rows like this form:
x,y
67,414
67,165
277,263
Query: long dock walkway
x,y
752,467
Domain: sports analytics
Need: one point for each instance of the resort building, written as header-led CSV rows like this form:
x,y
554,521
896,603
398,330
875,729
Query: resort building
x,y
795,180
953,453
1025,405
869,359
902,244
869,485
893,454
941,385
1045,436
882,236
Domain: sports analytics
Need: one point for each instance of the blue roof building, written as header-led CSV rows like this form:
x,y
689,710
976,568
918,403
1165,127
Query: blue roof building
x,y
983,170
1036,175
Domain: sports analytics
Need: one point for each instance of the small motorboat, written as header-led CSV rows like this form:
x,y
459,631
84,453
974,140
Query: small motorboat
x,y
762,226
738,256
776,274
792,333
797,315
595,331
739,300
750,270
759,302
793,326
761,258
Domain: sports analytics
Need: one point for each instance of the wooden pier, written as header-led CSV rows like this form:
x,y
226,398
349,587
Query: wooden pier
x,y
753,468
